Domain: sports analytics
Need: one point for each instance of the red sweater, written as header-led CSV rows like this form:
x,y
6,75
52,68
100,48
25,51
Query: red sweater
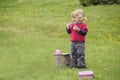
x,y
77,36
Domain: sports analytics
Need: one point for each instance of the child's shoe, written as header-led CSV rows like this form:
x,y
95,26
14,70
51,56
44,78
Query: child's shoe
x,y
82,67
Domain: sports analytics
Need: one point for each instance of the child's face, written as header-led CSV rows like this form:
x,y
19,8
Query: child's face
x,y
74,19
77,18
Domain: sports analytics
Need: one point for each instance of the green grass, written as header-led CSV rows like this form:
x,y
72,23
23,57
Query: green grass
x,y
31,31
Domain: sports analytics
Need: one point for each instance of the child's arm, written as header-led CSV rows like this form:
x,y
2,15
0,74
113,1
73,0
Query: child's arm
x,y
83,32
68,29
80,31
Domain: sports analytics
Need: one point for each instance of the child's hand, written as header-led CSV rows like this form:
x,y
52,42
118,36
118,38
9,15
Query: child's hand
x,y
68,25
76,28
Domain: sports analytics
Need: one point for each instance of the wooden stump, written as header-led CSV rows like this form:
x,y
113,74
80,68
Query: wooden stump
x,y
62,60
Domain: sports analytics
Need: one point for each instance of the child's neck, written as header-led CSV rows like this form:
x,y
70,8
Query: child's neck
x,y
79,22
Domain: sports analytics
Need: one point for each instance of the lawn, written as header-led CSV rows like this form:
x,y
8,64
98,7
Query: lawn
x,y
31,31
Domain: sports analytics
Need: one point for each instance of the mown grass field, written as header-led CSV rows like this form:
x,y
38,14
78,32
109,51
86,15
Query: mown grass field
x,y
31,31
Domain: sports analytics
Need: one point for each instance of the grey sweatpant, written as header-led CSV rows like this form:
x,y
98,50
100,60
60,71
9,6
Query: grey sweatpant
x,y
77,55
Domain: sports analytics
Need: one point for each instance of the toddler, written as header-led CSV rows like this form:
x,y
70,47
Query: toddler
x,y
77,30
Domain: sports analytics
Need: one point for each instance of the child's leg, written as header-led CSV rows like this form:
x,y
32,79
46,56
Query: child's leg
x,y
73,56
81,55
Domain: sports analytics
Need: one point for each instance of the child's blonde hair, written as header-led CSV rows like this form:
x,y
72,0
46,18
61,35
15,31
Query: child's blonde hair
x,y
78,13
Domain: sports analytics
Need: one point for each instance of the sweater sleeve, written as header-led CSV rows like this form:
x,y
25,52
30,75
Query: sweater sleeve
x,y
83,32
68,30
